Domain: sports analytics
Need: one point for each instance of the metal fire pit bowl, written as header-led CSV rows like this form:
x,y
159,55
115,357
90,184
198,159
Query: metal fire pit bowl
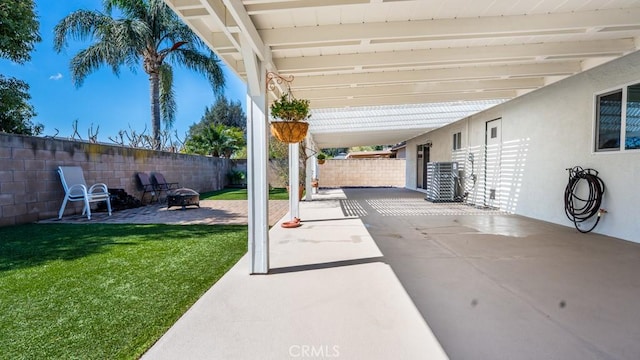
x,y
183,197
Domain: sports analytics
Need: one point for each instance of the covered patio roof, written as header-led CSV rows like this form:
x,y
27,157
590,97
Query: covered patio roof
x,y
447,54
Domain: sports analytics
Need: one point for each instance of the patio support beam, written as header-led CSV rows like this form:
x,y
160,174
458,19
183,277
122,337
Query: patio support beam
x,y
309,164
275,6
237,10
412,99
422,88
255,75
257,150
257,184
439,56
458,28
476,72
294,180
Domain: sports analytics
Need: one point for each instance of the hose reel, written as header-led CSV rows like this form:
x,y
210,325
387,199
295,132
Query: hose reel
x,y
583,197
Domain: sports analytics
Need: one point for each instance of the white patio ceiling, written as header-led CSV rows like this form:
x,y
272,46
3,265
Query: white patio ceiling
x,y
356,59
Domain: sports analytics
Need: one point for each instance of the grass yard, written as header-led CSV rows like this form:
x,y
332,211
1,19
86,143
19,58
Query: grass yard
x,y
241,194
104,291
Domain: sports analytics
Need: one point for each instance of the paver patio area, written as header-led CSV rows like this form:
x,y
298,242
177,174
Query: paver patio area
x,y
210,212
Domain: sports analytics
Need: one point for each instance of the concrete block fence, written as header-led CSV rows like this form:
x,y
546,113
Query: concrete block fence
x,y
362,172
30,189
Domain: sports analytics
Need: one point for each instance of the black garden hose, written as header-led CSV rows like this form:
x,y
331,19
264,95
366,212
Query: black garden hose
x,y
580,209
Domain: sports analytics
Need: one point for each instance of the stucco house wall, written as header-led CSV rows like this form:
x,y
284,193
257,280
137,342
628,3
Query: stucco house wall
x,y
543,133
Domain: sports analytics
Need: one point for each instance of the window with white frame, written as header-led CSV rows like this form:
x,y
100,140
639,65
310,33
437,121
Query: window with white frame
x,y
618,119
457,141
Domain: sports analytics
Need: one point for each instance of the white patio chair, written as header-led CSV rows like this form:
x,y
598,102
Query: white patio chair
x,y
75,188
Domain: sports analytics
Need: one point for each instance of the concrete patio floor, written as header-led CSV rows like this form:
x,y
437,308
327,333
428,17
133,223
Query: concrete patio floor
x,y
407,279
499,286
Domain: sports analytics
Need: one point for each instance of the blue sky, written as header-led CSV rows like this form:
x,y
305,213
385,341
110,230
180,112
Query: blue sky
x,y
112,102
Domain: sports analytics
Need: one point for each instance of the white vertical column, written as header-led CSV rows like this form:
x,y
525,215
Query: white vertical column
x,y
257,184
294,180
309,163
257,156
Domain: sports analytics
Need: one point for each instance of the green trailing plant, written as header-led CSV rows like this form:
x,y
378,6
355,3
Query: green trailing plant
x,y
289,108
321,156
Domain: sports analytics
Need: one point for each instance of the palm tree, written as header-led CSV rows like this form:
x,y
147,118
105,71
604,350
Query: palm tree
x,y
216,140
148,31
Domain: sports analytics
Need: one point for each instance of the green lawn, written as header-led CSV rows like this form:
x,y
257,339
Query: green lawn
x,y
104,291
241,194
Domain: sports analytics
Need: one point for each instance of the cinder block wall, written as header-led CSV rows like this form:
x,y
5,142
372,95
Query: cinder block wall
x,y
362,172
30,189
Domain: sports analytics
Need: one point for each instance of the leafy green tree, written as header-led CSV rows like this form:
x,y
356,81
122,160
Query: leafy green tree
x,y
240,153
15,110
223,112
18,30
335,151
366,148
18,35
278,149
149,32
216,140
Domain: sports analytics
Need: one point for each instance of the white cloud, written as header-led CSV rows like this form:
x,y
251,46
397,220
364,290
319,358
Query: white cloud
x,y
57,76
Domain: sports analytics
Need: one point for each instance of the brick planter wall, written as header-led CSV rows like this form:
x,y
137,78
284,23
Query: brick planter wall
x,y
362,172
30,189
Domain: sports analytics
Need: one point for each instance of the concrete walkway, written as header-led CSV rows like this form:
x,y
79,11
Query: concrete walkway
x,y
383,274
330,294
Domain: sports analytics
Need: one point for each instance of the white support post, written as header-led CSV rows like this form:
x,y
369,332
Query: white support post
x,y
257,160
257,185
308,171
294,180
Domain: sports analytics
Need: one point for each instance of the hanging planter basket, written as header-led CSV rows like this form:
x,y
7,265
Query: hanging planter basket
x,y
291,128
321,161
289,132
